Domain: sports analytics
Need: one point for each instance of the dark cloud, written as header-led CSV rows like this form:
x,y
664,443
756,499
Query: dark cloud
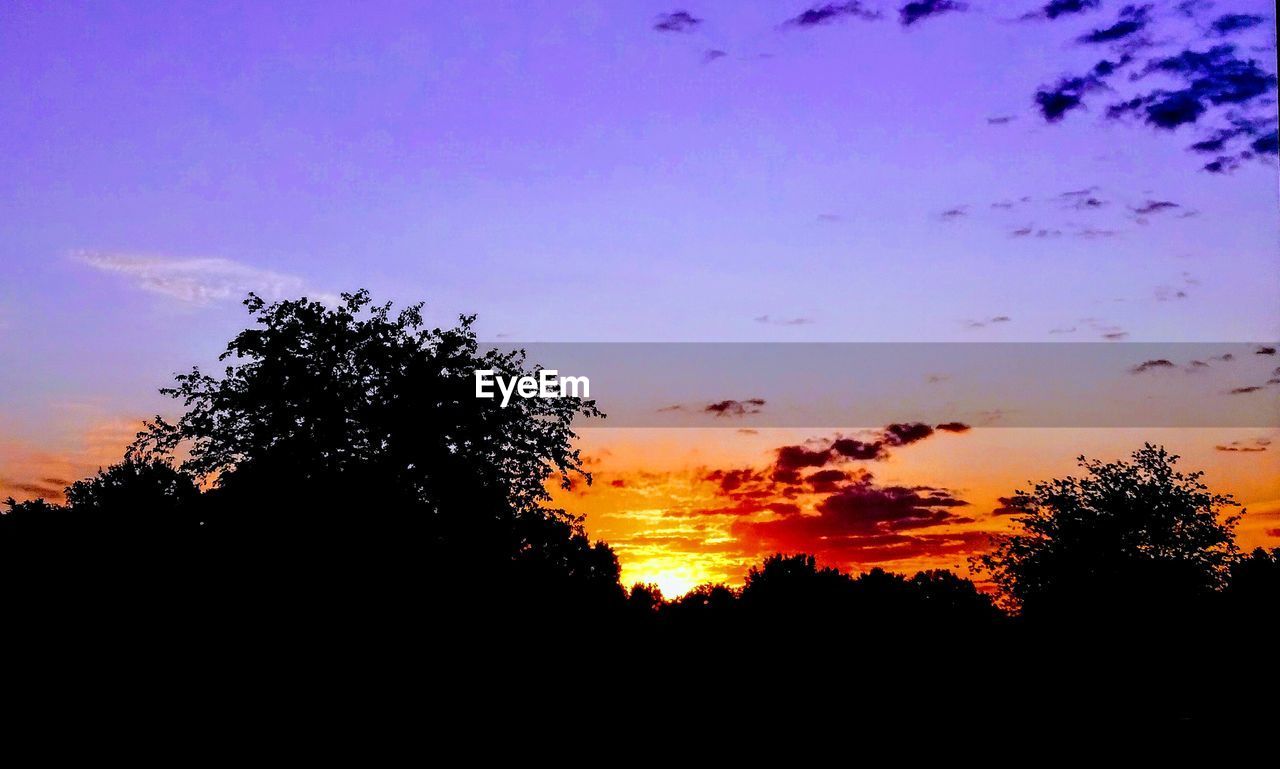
x,y
1245,390
1148,365
40,490
1067,94
795,457
731,480
922,9
857,510
832,12
824,481
1254,446
851,448
1265,351
1131,20
1056,8
1015,505
1154,207
712,54
1230,23
1190,8
676,21
904,434
1217,87
1001,120
735,408
1087,191
954,213
1213,78
792,458
1115,336
1089,204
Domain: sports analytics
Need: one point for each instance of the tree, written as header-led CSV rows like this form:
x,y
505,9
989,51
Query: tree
x,y
795,584
346,443
1126,537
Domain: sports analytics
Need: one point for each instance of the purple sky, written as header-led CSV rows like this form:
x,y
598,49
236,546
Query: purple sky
x,y
569,172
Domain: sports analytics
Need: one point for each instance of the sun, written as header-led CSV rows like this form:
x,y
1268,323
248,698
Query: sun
x,y
673,582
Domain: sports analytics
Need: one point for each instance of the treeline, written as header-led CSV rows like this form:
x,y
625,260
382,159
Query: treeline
x,y
337,491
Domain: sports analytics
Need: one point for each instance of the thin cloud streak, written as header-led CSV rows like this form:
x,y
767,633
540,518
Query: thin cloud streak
x,y
199,281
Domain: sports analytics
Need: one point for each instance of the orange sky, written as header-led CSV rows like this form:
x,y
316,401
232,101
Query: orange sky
x,y
659,500
683,506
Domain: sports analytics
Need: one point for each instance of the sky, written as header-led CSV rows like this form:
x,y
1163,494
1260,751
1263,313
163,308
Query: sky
x,y
691,172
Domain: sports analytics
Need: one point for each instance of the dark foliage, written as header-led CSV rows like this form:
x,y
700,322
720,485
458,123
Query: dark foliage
x,y
338,499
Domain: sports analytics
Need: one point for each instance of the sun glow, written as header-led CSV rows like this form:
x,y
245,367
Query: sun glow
x,y
673,582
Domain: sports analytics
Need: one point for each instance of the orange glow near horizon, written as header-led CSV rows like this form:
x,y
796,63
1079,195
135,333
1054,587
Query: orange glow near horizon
x,y
672,526
658,501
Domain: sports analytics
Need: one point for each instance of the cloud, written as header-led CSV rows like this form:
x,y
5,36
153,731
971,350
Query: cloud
x,y
1065,95
922,9
712,54
1262,350
832,12
1131,20
796,457
1010,505
198,281
1056,8
1213,86
1245,390
735,408
1213,78
1231,23
770,320
676,21
1251,447
898,434
1001,120
904,434
954,213
1154,207
1148,365
864,521
852,448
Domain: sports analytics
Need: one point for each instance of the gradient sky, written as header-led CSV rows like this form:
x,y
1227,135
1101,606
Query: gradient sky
x,y
569,172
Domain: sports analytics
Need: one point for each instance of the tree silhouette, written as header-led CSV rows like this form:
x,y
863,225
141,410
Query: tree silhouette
x,y
1126,538
350,468
338,489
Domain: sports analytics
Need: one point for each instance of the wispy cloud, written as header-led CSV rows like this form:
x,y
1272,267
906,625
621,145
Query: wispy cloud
x,y
198,280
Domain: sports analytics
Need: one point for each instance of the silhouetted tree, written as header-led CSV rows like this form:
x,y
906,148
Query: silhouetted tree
x,y
126,538
1252,599
1126,538
794,584
350,469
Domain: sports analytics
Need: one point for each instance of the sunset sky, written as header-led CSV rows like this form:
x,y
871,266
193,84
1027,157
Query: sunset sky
x,y
621,172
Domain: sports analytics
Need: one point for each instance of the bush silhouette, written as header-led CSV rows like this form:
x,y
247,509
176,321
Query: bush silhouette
x,y
1126,538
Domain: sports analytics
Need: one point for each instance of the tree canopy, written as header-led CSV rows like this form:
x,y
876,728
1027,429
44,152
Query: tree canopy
x,y
1130,535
